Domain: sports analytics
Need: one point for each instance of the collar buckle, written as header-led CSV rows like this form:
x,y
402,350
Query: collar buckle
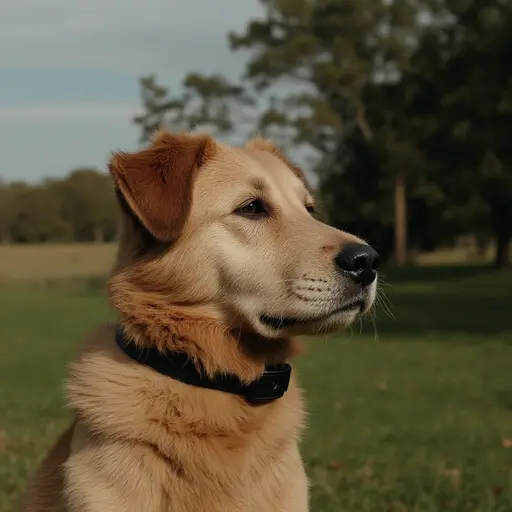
x,y
272,384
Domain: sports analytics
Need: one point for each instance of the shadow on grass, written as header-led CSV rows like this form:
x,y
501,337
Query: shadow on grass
x,y
504,398
472,300
416,314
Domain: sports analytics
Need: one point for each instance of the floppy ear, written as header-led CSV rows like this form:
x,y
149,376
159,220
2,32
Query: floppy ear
x,y
261,144
157,182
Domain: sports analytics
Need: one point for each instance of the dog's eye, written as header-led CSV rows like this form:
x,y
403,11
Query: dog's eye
x,y
254,208
311,209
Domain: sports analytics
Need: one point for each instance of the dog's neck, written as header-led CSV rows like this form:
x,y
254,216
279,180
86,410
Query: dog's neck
x,y
150,320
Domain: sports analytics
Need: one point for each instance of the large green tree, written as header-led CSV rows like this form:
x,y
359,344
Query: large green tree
x,y
475,112
312,65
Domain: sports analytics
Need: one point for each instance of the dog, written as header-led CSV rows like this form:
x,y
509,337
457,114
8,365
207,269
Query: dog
x,y
189,402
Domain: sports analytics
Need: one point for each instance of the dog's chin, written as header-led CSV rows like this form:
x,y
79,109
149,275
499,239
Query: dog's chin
x,y
276,327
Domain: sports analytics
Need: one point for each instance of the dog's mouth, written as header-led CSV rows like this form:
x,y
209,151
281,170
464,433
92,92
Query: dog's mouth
x,y
280,322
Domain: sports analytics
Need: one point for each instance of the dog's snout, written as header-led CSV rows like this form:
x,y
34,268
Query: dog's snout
x,y
359,261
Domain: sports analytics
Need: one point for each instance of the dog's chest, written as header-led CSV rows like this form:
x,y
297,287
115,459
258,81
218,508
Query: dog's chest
x,y
262,471
140,484
271,483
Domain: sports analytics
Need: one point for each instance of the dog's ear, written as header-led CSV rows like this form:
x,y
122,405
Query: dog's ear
x,y
261,144
157,182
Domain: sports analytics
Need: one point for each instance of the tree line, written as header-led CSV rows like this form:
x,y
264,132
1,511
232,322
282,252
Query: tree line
x,y
78,208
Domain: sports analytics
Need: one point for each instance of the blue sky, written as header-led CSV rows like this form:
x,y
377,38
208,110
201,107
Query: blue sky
x,y
69,72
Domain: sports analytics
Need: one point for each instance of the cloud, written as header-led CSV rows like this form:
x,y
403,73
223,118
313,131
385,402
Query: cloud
x,y
50,140
65,112
69,70
126,35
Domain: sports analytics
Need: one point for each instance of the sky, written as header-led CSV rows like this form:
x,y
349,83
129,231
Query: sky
x,y
69,72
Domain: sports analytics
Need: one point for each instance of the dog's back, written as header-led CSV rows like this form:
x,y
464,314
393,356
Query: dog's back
x,y
44,492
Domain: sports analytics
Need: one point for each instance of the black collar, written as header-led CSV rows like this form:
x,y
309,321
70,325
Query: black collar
x,y
271,385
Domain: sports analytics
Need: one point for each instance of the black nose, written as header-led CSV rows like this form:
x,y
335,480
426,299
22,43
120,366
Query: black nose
x,y
359,261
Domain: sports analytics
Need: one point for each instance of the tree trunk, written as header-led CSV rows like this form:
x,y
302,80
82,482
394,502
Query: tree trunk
x,y
502,256
400,222
482,244
400,255
4,237
99,236
501,217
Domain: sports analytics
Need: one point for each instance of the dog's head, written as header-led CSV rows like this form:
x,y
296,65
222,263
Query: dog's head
x,y
233,231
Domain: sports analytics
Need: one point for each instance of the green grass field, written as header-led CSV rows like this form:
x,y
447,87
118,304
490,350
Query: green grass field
x,y
415,415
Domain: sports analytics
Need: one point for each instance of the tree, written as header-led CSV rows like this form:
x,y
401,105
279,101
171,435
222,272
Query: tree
x,y
34,215
5,213
313,64
472,88
206,102
81,207
87,201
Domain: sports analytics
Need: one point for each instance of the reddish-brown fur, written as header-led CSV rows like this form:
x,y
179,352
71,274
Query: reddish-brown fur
x,y
157,182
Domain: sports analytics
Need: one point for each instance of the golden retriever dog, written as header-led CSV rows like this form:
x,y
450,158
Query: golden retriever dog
x,y
189,403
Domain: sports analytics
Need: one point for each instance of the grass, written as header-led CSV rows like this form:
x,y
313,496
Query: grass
x,y
416,419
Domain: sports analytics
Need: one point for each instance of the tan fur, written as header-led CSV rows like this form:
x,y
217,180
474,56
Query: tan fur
x,y
193,274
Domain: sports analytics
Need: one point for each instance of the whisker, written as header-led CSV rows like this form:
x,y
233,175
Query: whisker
x,y
317,300
375,331
383,301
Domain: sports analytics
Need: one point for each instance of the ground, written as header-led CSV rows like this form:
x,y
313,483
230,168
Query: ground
x,y
414,414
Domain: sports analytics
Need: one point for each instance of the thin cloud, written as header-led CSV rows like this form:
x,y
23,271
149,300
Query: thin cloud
x,y
49,113
50,126
127,35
